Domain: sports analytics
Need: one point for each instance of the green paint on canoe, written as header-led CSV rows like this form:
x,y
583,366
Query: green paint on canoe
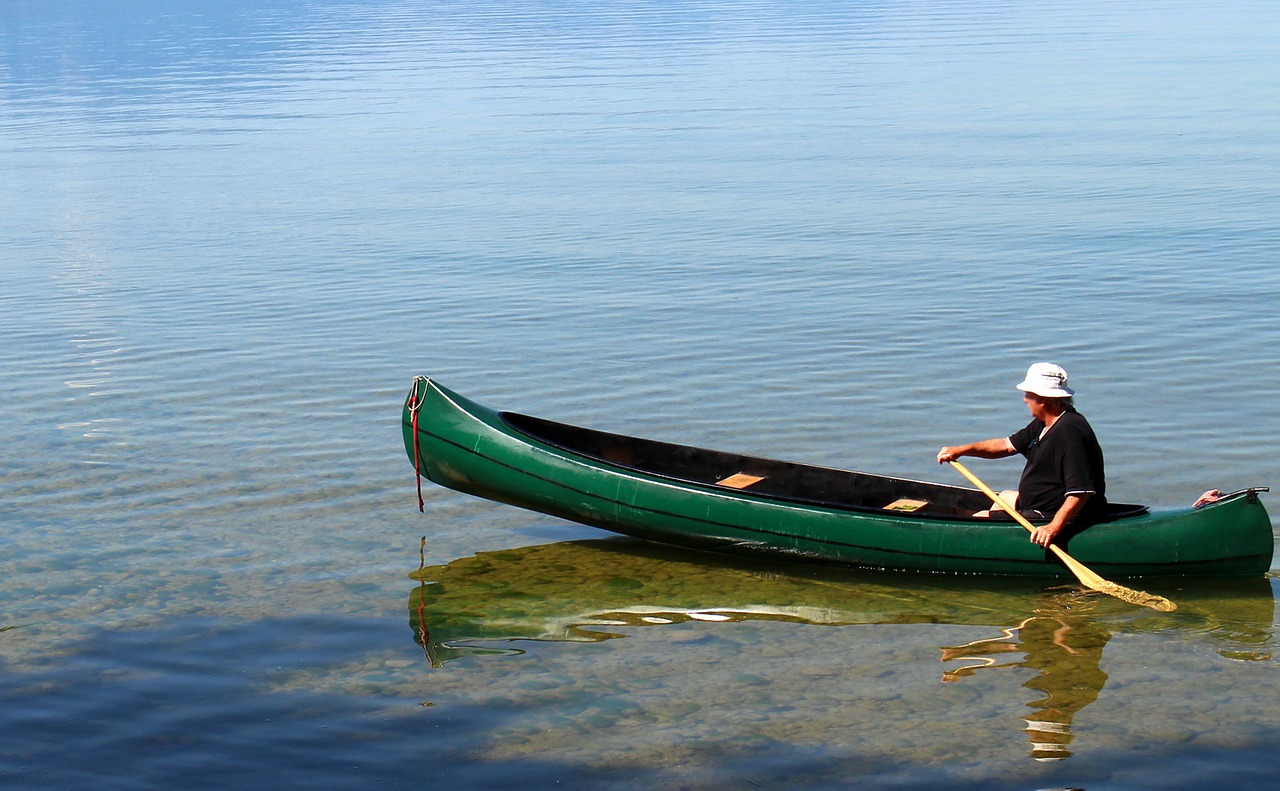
x,y
669,493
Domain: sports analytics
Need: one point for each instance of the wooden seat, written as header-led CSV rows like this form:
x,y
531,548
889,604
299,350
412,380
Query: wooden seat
x,y
905,504
740,480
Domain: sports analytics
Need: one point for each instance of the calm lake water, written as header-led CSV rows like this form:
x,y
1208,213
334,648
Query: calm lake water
x,y
231,233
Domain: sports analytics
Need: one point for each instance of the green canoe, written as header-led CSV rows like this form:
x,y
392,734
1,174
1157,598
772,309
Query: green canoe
x,y
720,501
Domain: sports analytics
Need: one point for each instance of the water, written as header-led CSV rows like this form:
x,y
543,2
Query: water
x,y
826,232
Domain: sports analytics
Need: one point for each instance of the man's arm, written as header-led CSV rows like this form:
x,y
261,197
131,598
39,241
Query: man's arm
x,y
986,449
1071,508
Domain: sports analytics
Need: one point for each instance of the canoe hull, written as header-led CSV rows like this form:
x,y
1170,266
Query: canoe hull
x,y
473,449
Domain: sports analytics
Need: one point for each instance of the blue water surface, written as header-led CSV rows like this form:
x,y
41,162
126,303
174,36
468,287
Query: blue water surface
x,y
838,233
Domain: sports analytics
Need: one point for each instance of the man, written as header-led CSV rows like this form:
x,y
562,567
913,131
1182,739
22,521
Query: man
x,y
1063,479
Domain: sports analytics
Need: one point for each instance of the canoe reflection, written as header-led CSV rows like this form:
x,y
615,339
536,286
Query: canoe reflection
x,y
583,591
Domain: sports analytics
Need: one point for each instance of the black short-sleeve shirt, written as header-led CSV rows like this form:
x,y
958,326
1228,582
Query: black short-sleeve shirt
x,y
1067,460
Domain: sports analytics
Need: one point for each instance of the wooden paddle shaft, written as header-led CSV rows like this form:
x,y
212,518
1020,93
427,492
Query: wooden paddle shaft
x,y
1087,576
997,499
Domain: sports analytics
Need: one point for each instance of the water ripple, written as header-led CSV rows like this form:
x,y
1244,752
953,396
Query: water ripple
x,y
835,233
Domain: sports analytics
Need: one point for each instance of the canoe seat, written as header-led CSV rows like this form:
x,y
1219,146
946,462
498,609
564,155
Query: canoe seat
x,y
905,504
740,480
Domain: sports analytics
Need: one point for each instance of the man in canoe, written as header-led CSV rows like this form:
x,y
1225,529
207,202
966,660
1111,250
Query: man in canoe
x,y
1063,479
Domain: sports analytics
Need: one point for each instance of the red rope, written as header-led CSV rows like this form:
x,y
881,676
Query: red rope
x,y
417,457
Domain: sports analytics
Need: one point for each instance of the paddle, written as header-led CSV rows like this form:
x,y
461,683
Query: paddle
x,y
1086,576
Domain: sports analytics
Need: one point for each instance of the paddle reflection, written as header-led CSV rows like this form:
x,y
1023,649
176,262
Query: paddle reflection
x,y
590,591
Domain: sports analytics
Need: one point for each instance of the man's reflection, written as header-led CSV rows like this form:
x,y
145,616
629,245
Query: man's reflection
x,y
1066,649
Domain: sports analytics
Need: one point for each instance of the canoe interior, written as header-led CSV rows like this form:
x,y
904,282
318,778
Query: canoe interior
x,y
833,488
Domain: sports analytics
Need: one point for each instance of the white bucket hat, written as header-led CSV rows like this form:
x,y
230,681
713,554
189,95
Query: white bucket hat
x,y
1046,380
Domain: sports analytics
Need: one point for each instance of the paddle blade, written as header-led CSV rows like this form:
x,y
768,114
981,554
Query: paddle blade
x,y
1091,580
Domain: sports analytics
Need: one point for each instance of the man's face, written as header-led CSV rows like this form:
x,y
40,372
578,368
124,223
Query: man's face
x,y
1035,404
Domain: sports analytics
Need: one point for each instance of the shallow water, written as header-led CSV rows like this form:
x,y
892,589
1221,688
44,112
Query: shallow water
x,y
837,234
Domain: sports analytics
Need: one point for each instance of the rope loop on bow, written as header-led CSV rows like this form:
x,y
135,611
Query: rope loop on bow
x,y
413,405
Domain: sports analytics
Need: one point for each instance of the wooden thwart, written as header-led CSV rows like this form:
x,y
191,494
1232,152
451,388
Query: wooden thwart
x,y
905,504
740,480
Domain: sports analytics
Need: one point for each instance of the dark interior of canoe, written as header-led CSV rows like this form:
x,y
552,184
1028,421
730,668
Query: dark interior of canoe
x,y
768,477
